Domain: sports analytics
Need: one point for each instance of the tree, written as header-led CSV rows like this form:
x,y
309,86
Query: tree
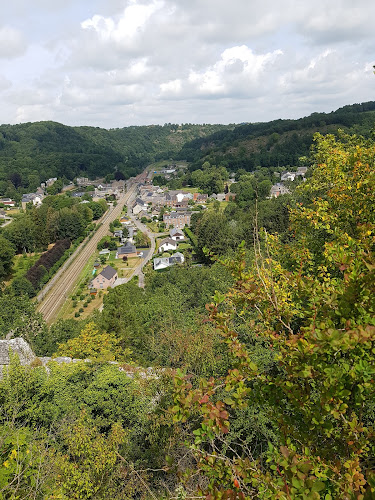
x,y
7,253
18,317
90,459
313,309
92,344
141,239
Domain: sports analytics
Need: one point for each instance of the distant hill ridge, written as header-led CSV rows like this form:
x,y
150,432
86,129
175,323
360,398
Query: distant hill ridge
x,y
278,142
30,153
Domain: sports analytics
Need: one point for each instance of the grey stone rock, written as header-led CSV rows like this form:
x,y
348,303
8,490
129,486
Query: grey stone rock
x,y
17,346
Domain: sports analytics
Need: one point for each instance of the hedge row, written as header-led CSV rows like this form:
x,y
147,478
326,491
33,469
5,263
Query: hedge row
x,y
41,267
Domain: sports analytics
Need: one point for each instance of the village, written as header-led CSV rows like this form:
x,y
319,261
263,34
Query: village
x,y
152,233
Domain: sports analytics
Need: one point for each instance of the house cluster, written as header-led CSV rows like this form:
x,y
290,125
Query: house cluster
x,y
279,188
100,188
108,276
35,198
170,245
152,198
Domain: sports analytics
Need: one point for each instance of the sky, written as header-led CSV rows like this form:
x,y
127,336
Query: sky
x,y
116,63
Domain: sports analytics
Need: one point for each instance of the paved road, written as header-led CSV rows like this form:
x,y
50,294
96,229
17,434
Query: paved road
x,y
65,280
138,269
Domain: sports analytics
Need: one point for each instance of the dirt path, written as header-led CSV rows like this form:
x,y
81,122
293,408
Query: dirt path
x,y
65,280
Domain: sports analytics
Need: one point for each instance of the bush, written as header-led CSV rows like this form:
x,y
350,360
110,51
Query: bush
x,y
80,310
77,315
74,303
81,297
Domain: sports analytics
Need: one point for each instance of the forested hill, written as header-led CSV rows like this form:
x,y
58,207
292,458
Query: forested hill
x,y
275,143
30,153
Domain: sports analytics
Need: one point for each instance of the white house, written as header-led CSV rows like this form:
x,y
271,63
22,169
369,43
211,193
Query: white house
x,y
176,234
168,244
288,176
164,262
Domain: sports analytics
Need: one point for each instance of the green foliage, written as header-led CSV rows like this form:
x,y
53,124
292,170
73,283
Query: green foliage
x,y
313,309
89,459
90,343
7,253
30,153
162,325
210,178
142,240
24,466
278,144
18,317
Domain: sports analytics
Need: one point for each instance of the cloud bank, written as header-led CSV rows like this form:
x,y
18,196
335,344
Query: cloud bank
x,y
116,63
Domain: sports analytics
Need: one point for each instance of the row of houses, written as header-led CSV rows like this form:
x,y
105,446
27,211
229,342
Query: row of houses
x,y
279,188
154,196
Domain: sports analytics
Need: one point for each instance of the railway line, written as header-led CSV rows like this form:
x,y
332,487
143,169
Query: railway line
x,y
66,278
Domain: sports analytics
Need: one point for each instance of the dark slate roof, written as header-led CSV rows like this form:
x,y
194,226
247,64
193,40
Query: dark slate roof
x,y
127,248
108,272
175,260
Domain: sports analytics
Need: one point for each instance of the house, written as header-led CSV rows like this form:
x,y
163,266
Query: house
x,y
220,197
301,171
118,233
51,181
7,202
35,199
277,190
127,250
167,244
164,262
230,196
200,198
177,219
176,234
105,279
81,181
288,176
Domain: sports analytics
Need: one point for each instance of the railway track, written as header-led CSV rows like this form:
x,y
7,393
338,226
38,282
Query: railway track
x,y
53,300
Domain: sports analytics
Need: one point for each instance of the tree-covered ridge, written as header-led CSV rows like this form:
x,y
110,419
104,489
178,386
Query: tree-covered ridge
x,y
30,153
278,142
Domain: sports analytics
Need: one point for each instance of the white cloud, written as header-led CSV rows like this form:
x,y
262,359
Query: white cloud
x,y
122,62
131,23
12,43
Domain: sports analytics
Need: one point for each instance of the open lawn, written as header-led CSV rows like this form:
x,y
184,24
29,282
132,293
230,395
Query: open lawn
x,y
153,226
189,189
80,303
21,264
12,212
